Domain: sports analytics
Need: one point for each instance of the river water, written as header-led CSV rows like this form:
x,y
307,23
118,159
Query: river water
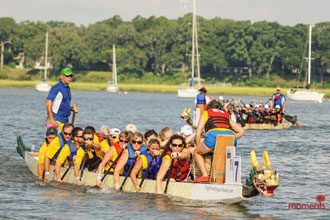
x,y
301,157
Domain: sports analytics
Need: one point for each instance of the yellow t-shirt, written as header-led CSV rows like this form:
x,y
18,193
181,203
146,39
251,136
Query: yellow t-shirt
x,y
81,154
42,153
144,161
53,147
104,147
65,152
167,157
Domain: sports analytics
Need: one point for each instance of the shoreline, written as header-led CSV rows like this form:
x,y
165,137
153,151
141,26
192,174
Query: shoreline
x,y
157,88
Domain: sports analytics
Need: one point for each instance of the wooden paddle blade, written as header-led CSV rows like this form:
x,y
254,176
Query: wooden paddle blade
x,y
219,157
298,125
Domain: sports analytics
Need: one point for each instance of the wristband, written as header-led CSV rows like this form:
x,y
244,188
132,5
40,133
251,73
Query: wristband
x,y
77,178
47,173
99,176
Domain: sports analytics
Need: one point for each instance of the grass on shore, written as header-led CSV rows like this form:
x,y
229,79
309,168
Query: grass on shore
x,y
223,90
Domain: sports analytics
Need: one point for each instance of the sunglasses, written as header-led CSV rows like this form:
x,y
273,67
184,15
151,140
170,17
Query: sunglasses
x,y
88,139
69,76
68,134
137,142
177,145
114,136
122,141
79,136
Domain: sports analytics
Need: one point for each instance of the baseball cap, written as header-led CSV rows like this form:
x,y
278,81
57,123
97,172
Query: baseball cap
x,y
51,131
266,106
247,105
186,130
66,72
256,106
277,106
203,89
115,131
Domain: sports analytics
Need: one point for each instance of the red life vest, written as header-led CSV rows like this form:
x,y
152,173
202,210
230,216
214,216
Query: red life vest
x,y
217,119
180,169
99,136
119,149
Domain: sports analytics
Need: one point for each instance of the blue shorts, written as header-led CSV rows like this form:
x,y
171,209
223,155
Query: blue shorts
x,y
211,138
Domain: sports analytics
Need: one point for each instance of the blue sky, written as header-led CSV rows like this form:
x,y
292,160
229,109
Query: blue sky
x,y
286,12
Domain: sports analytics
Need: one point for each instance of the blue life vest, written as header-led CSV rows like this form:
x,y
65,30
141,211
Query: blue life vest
x,y
201,99
73,150
131,158
153,166
62,143
278,100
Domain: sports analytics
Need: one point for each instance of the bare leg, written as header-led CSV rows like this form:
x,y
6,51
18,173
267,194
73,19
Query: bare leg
x,y
201,150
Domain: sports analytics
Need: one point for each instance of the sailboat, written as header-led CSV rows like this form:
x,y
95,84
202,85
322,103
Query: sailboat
x,y
306,94
44,86
191,92
113,87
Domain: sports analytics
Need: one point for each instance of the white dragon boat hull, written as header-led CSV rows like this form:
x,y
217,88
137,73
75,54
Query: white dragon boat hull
x,y
224,193
254,126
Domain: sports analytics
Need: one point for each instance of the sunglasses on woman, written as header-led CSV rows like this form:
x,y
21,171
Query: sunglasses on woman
x,y
177,145
88,139
123,141
137,142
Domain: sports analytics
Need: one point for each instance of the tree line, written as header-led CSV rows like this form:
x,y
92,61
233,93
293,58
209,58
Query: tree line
x,y
230,50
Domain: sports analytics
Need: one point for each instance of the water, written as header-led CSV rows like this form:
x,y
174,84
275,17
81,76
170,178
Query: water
x,y
301,156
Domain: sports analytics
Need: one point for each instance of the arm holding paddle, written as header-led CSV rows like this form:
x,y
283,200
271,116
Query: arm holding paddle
x,y
78,160
166,163
65,152
120,166
136,169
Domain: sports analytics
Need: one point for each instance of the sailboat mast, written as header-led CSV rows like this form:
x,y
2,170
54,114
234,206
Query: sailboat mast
x,y
193,42
197,55
46,56
114,65
309,55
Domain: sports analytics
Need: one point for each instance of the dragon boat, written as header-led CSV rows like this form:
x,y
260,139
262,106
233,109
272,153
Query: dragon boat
x,y
254,126
225,187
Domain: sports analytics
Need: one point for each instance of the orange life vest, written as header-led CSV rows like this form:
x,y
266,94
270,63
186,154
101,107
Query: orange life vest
x,y
216,119
180,168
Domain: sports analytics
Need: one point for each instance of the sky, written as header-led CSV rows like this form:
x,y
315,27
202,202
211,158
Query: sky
x,y
285,12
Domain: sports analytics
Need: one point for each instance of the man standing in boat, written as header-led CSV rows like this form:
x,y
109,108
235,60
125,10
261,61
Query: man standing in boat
x,y
58,103
279,99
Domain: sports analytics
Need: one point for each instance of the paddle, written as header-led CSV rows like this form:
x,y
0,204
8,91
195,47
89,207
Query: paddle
x,y
82,168
67,170
127,174
168,176
112,165
146,175
74,110
292,119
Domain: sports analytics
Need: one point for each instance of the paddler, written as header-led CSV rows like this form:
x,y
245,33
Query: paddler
x,y
278,99
128,157
110,157
51,134
177,155
148,162
200,99
55,147
58,102
215,122
71,150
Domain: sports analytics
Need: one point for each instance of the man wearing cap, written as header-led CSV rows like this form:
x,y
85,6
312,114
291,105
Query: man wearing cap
x,y
279,99
58,102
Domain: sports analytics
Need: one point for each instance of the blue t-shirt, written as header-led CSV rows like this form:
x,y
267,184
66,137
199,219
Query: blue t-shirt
x,y
60,94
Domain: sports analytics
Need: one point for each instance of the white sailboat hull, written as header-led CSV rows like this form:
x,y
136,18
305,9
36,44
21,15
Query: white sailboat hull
x,y
305,95
112,89
43,87
187,93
